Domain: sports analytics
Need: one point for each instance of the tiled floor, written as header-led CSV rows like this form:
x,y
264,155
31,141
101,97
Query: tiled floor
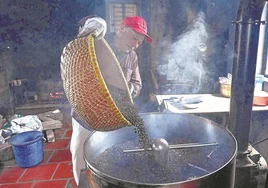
x,y
55,171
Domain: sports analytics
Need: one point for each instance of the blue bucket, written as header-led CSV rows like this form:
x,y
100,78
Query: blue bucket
x,y
28,148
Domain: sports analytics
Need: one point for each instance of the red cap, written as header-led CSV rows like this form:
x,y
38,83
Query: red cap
x,y
139,25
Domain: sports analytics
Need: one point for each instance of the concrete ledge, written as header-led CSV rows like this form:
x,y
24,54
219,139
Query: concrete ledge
x,y
38,108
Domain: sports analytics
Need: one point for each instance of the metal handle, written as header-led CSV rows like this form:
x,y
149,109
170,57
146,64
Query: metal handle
x,y
176,146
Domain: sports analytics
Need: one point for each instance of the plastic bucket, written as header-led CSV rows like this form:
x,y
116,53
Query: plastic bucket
x,y
28,148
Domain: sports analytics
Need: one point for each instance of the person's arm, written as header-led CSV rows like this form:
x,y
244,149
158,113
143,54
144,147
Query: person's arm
x,y
136,81
131,72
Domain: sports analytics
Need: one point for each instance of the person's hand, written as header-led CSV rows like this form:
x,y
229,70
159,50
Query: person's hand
x,y
134,95
131,88
95,26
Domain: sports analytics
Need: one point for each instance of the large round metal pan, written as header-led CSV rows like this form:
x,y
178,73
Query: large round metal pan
x,y
176,129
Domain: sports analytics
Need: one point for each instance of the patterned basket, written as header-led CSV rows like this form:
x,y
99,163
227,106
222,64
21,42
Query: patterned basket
x,y
95,85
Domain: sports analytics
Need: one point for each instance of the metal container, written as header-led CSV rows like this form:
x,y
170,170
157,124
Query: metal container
x,y
171,127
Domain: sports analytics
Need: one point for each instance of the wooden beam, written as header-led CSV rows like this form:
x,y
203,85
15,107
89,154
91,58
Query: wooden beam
x,y
52,124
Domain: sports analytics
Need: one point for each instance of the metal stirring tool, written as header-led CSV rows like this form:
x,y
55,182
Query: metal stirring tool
x,y
162,144
160,148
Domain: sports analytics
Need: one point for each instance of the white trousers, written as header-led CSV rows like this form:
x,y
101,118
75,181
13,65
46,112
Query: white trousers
x,y
78,138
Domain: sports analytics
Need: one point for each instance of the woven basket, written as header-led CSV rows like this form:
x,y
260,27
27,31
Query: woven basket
x,y
92,77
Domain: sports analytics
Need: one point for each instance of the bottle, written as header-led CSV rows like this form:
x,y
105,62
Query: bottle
x,y
259,82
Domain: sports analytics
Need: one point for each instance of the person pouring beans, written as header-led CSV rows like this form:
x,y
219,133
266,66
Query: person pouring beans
x,y
128,37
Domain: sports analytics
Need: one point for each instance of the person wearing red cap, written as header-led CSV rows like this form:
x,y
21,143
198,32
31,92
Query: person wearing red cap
x,y
130,34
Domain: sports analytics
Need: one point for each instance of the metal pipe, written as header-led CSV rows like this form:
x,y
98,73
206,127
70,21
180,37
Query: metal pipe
x,y
263,43
244,67
266,183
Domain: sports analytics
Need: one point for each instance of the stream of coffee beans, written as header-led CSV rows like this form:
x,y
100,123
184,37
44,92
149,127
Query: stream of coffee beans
x,y
130,112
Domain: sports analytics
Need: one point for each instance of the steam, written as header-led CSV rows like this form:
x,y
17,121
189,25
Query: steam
x,y
185,61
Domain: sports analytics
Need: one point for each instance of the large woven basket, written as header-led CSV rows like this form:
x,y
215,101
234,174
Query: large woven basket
x,y
95,85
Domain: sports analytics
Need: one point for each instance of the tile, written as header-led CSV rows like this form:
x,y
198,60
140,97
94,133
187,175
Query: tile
x,y
63,171
66,125
51,184
61,156
47,155
8,163
71,184
11,175
17,185
58,144
68,133
59,133
40,172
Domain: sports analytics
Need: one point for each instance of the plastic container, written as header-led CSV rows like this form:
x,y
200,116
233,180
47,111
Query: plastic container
x,y
28,148
259,79
260,98
225,90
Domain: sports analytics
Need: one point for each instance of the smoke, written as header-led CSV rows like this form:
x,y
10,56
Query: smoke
x,y
187,56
